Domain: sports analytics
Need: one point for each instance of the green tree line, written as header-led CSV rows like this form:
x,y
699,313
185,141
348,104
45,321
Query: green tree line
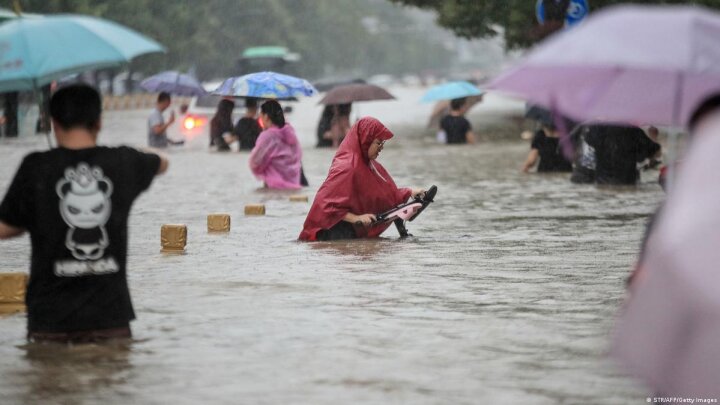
x,y
209,35
514,19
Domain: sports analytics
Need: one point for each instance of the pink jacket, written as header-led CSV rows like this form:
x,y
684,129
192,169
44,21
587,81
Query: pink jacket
x,y
276,158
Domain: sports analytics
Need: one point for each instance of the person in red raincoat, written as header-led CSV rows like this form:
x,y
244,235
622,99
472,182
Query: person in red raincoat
x,y
357,188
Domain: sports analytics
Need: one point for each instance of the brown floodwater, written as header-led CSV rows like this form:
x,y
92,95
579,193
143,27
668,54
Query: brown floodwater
x,y
506,293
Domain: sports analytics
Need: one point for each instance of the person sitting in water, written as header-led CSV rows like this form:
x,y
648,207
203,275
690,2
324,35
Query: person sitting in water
x,y
545,147
221,124
323,127
618,150
247,129
157,127
357,187
456,127
276,158
340,124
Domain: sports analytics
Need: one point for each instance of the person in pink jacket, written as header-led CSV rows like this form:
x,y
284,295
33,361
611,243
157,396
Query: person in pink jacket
x,y
276,157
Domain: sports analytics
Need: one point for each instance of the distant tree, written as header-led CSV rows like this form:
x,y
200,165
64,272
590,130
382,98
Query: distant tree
x,y
210,35
515,19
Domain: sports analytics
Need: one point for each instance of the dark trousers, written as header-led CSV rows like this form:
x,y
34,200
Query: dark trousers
x,y
84,336
341,230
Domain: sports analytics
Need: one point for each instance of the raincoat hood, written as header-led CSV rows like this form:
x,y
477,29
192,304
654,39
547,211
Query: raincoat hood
x,y
286,134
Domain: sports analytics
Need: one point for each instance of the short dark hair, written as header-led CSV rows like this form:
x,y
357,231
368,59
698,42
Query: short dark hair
x,y
251,102
457,103
275,112
163,96
76,106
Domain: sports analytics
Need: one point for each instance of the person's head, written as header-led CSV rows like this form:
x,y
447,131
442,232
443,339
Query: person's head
x,y
457,104
225,108
653,133
184,108
271,113
77,106
371,135
251,104
707,106
163,101
375,148
344,109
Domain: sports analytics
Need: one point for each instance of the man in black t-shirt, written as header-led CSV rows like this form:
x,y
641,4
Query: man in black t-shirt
x,y
74,201
618,150
456,127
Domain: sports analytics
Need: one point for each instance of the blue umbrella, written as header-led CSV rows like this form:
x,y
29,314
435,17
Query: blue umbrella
x,y
265,85
451,90
174,83
36,51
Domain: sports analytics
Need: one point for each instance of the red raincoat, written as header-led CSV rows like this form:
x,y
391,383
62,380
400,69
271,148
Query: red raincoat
x,y
355,184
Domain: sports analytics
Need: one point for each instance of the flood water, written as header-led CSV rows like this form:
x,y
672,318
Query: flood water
x,y
506,293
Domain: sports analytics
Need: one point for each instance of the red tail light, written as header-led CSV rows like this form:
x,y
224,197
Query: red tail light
x,y
191,122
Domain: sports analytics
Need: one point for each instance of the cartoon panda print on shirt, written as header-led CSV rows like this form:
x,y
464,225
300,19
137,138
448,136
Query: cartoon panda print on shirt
x,y
85,207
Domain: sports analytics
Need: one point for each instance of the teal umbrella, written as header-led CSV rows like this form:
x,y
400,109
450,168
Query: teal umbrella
x,y
36,51
451,90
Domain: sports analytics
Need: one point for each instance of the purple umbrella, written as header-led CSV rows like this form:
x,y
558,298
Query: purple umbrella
x,y
626,64
173,82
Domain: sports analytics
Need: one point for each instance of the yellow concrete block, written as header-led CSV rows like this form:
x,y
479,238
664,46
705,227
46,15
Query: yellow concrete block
x,y
12,292
299,198
255,209
218,223
173,238
6,309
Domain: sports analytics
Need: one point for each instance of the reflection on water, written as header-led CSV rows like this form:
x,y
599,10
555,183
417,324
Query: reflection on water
x,y
74,374
363,248
505,294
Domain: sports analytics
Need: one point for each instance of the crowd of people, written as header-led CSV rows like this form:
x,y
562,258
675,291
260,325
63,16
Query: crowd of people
x,y
596,152
75,200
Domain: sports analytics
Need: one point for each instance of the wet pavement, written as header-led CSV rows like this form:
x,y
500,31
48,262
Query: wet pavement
x,y
506,293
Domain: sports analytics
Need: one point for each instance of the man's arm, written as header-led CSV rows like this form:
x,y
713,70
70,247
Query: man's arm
x,y
164,163
531,159
8,231
160,128
470,137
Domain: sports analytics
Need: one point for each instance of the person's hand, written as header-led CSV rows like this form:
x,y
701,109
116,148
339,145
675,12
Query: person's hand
x,y
366,219
172,118
417,193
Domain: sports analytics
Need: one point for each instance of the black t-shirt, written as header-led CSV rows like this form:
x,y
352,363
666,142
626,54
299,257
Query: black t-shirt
x,y
248,130
75,205
551,157
618,149
456,128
